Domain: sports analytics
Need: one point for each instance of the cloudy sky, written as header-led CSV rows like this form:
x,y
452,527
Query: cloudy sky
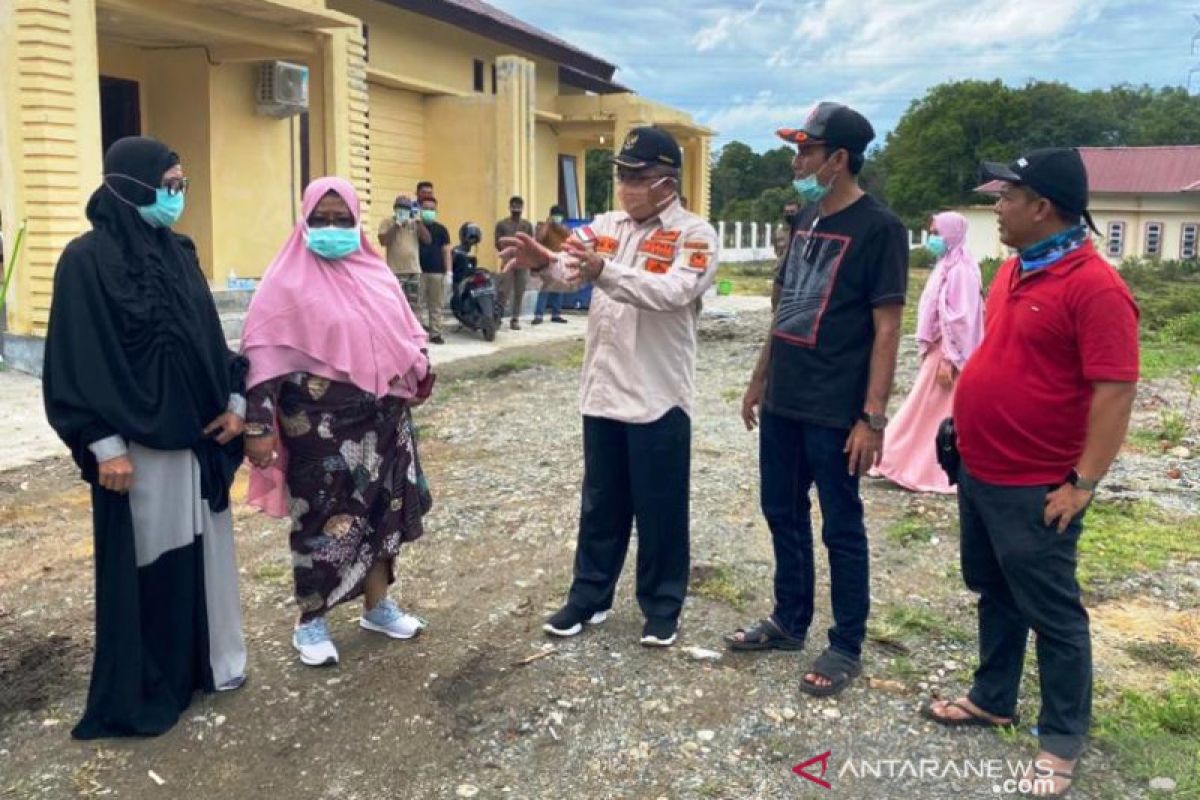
x,y
746,68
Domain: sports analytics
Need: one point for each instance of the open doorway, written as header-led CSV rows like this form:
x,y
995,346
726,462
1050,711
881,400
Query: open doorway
x,y
120,109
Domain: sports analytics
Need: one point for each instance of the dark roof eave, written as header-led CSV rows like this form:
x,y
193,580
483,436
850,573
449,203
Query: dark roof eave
x,y
498,30
588,82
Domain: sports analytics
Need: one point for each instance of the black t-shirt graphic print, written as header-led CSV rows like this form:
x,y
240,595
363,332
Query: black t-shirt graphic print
x,y
836,271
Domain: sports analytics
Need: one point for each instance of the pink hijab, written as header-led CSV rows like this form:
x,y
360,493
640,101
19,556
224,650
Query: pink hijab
x,y
346,320
951,308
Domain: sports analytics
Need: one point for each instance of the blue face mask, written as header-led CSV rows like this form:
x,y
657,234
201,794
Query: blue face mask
x,y
332,243
811,189
936,245
165,210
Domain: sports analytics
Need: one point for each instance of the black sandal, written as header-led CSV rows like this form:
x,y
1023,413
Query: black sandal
x,y
837,668
765,635
972,720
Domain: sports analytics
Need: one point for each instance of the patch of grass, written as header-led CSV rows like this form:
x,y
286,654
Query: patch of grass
x,y
753,278
514,364
1155,734
1162,357
904,669
732,395
1169,655
899,624
909,530
719,583
1172,426
1122,539
1145,441
273,573
572,359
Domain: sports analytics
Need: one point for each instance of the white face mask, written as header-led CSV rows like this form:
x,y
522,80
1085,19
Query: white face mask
x,y
636,202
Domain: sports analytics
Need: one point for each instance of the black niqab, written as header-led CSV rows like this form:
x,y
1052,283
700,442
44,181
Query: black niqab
x,y
134,345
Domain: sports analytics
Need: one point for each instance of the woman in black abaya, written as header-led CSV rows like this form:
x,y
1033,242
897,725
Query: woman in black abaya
x,y
140,384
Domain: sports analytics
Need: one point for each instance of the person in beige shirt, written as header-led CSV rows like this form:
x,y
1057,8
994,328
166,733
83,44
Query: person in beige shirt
x,y
400,235
650,264
552,233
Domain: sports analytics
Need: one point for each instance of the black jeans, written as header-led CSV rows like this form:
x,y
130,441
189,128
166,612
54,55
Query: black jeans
x,y
1024,573
641,472
792,457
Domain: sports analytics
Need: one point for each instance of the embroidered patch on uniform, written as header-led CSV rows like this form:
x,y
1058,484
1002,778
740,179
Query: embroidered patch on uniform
x,y
665,236
585,235
696,244
663,250
657,266
606,245
699,261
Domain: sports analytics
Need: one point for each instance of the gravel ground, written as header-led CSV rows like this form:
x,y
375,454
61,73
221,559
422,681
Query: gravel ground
x,y
482,705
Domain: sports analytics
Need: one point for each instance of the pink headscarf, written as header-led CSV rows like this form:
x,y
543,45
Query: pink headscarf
x,y
951,308
346,320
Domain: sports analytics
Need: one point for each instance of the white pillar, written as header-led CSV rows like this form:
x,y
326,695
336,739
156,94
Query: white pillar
x,y
721,234
737,235
753,235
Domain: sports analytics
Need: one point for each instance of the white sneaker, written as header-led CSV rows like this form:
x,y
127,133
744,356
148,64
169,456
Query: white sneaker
x,y
390,620
312,641
569,621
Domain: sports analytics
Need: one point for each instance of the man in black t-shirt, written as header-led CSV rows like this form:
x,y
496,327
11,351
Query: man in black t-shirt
x,y
435,263
822,382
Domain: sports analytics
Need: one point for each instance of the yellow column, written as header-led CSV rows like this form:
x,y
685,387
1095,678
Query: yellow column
x,y
344,107
50,145
515,131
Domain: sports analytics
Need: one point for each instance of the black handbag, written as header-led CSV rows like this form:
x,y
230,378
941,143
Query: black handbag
x,y
947,449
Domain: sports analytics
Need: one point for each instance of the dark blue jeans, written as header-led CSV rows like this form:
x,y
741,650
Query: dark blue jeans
x,y
792,457
1024,573
552,299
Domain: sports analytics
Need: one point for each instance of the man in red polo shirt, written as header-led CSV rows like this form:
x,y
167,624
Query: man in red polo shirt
x,y
1041,411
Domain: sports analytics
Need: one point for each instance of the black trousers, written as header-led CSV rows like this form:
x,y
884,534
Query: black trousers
x,y
635,472
1024,573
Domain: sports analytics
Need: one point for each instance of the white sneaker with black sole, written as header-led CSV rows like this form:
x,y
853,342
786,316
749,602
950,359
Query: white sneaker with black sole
x,y
569,621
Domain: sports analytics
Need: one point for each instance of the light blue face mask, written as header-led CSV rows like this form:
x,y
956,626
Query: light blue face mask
x,y
332,243
936,245
165,210
810,189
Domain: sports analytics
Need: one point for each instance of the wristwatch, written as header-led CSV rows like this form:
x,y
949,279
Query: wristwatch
x,y
876,422
1080,482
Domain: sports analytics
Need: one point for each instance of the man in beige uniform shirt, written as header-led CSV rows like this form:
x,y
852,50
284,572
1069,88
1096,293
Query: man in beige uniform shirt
x,y
400,235
650,264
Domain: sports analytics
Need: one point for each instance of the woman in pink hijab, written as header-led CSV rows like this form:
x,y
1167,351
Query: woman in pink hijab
x,y
949,328
337,358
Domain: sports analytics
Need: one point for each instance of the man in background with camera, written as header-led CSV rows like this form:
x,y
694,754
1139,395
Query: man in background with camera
x,y
401,236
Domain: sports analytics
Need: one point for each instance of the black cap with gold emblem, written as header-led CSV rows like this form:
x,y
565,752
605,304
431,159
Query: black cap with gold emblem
x,y
648,146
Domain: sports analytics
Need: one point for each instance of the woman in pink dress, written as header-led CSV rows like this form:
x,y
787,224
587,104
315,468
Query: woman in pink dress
x,y
949,328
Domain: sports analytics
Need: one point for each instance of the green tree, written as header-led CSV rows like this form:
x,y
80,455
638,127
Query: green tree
x,y
598,191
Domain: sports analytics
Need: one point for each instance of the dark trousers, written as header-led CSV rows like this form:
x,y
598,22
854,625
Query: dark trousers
x,y
634,472
792,457
1024,573
553,300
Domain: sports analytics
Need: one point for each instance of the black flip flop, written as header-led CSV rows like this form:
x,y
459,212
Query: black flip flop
x,y
765,635
972,720
837,668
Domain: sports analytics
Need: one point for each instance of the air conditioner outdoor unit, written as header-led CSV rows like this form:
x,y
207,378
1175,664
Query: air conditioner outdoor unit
x,y
282,89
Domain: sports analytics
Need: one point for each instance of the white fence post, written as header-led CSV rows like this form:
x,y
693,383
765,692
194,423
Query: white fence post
x,y
737,235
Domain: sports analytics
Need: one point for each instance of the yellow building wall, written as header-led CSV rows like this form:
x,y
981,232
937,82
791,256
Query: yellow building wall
x,y
49,141
545,172
460,159
397,145
255,176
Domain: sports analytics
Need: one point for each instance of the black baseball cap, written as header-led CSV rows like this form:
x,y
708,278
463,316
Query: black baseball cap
x,y
832,124
647,146
1056,173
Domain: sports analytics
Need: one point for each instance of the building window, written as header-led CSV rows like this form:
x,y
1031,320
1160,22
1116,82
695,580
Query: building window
x,y
493,78
1116,239
478,75
1188,240
1154,235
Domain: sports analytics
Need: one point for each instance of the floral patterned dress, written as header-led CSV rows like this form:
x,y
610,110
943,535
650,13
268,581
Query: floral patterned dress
x,y
354,478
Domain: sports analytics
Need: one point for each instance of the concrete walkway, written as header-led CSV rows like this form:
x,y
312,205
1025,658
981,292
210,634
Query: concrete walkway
x,y
30,438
